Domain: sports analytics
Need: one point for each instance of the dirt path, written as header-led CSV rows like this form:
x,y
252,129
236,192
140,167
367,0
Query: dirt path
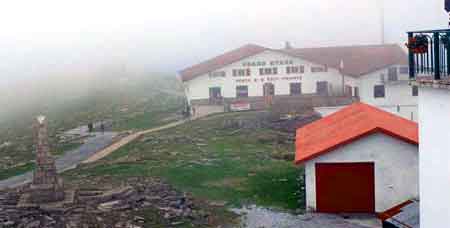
x,y
124,141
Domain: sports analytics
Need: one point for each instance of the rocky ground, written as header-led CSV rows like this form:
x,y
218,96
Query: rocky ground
x,y
141,202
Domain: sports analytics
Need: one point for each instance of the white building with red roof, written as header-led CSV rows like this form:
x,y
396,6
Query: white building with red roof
x,y
251,76
360,159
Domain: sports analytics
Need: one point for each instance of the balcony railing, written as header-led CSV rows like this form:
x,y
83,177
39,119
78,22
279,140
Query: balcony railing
x,y
428,54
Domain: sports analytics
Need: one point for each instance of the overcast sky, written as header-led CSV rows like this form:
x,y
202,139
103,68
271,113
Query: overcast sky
x,y
41,38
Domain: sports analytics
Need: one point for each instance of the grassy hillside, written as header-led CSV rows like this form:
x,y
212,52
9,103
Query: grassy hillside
x,y
131,101
215,163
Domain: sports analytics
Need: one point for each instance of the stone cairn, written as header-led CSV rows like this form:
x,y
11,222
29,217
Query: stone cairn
x,y
46,186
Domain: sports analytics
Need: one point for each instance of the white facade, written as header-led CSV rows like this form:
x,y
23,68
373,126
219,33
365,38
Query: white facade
x,y
434,134
198,88
398,97
396,169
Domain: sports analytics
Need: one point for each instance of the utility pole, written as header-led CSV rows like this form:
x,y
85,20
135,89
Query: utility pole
x,y
341,69
380,4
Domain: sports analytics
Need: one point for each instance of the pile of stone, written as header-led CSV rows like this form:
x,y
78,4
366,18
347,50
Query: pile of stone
x,y
120,207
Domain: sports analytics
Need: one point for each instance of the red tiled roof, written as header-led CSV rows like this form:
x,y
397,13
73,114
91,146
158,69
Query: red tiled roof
x,y
347,125
358,60
220,61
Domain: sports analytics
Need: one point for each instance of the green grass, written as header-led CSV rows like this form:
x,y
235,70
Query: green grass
x,y
66,147
6,173
217,166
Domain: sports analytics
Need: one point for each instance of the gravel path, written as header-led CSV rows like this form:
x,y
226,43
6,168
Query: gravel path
x,y
257,217
69,160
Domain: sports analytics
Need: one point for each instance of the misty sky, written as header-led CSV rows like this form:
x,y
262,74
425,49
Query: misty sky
x,y
70,38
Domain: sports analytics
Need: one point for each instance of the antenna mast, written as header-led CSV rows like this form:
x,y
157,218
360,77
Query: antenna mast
x,y
381,11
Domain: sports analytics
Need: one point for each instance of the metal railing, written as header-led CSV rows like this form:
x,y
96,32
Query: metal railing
x,y
428,53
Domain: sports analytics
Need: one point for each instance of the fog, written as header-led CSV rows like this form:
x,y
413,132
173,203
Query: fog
x,y
60,40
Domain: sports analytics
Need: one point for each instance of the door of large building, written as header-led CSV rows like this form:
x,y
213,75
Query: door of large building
x,y
322,88
268,89
215,95
345,187
268,92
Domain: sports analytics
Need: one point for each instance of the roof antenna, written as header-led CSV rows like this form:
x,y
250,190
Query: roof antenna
x,y
381,10
287,45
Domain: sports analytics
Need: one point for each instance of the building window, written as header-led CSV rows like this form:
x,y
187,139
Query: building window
x,y
241,72
392,74
268,71
217,74
319,69
295,69
379,91
322,88
215,93
296,88
356,93
403,70
415,91
241,91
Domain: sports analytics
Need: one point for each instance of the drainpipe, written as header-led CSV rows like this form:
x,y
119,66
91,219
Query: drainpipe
x,y
341,69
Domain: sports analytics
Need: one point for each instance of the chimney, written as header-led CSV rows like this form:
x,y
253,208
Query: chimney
x,y
287,45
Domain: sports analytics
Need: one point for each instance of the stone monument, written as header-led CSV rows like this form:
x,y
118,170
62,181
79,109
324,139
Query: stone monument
x,y
46,186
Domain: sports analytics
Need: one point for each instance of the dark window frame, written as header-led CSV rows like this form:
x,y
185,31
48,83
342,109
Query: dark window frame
x,y
239,93
393,74
295,69
261,71
415,91
268,71
379,91
319,69
323,88
356,91
211,89
295,88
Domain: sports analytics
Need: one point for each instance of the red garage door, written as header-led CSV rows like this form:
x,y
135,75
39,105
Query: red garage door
x,y
345,187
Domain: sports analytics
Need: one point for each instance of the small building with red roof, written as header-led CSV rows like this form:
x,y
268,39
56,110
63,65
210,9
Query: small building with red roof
x,y
360,159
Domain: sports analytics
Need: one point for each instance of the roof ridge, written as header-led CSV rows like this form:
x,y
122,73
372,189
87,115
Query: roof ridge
x,y
347,46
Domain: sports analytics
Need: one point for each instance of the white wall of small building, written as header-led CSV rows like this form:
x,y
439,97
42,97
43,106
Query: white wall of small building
x,y
396,169
198,88
398,94
434,134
